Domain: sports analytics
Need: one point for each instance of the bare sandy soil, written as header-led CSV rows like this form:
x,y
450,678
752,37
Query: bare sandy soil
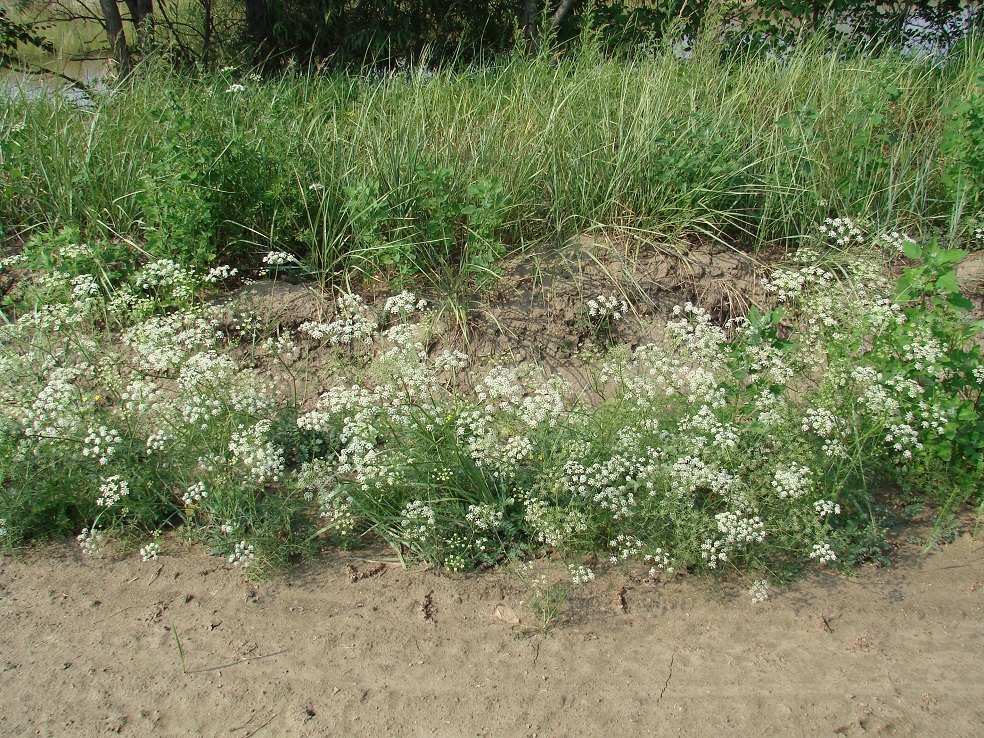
x,y
88,647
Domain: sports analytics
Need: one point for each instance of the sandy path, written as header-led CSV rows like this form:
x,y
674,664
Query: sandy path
x,y
86,647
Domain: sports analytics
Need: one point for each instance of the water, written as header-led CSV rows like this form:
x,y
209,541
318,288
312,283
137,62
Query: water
x,y
90,72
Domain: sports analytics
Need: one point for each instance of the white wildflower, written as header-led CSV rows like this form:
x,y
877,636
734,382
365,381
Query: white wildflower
x,y
826,507
484,517
580,574
606,307
895,242
904,439
91,541
792,481
354,323
252,447
101,444
76,251
821,421
841,231
157,441
450,360
220,273
418,521
759,591
660,561
278,258
739,530
404,304
242,554
112,490
624,547
162,343
168,278
823,553
195,493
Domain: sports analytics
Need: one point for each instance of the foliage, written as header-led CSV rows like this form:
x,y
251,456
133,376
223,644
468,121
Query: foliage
x,y
762,444
963,143
362,32
428,227
390,33
15,33
930,23
443,172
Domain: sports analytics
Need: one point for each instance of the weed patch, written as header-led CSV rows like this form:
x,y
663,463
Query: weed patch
x,y
762,443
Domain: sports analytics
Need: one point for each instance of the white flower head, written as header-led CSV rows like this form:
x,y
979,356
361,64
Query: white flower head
x,y
279,258
580,574
151,551
196,493
242,554
822,553
759,591
91,541
112,490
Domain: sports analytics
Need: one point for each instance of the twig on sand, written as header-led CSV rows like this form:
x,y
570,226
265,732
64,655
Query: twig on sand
x,y
101,620
253,731
669,676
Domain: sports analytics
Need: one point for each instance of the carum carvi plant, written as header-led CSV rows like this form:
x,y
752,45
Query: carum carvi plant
x,y
759,443
766,444
126,411
598,318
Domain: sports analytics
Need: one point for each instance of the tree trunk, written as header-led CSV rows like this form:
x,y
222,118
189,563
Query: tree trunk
x,y
206,31
259,26
139,10
531,26
115,35
527,24
561,13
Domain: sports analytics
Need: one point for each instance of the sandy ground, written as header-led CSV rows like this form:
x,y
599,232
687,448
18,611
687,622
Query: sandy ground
x,y
88,647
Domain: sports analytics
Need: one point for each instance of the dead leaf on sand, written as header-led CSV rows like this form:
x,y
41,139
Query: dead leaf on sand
x,y
506,615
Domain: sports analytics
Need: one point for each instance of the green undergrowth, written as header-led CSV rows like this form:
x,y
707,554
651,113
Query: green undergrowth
x,y
438,174
128,408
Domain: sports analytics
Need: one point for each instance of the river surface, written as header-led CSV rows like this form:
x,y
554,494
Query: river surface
x,y
89,72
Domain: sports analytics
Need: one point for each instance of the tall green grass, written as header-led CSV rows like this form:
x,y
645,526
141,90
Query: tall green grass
x,y
751,150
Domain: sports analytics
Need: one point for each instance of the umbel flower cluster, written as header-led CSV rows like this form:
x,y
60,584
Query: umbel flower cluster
x,y
746,443
125,408
758,443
